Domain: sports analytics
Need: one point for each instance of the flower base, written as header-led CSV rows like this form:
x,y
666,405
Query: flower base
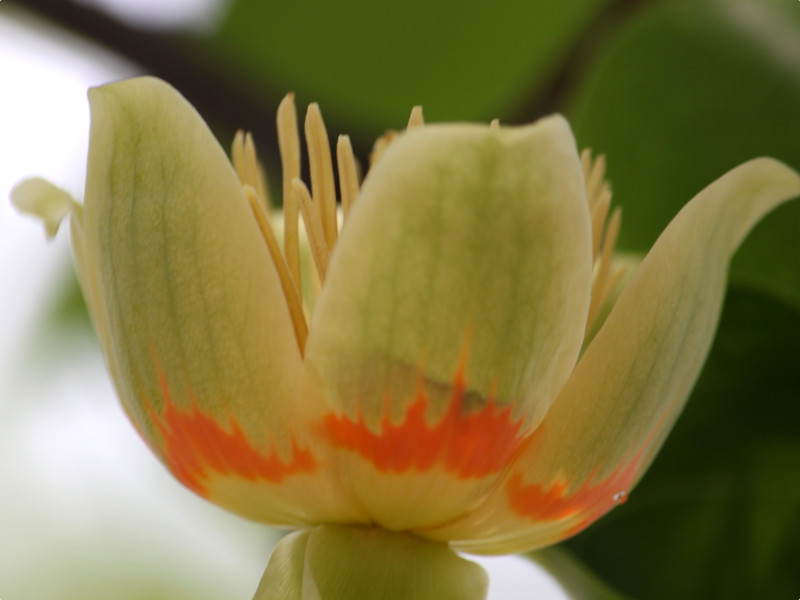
x,y
331,562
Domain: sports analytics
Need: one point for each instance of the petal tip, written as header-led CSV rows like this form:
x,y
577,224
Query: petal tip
x,y
40,198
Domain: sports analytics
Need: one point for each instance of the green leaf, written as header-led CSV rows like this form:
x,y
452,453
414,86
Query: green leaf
x,y
576,580
682,93
375,60
718,515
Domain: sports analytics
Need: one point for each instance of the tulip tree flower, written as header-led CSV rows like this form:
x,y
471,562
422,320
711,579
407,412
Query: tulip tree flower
x,y
464,368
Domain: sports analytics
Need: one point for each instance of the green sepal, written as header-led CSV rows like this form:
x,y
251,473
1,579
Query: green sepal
x,y
341,563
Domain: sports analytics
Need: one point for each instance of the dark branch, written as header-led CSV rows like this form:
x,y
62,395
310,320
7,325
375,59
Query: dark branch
x,y
182,61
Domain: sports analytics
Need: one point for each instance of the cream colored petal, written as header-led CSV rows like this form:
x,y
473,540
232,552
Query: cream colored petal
x,y
633,380
191,313
453,310
86,271
40,198
348,563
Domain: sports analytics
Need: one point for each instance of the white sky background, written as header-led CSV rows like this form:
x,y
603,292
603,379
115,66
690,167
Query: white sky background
x,y
85,509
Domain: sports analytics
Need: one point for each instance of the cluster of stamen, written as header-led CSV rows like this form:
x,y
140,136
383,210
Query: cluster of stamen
x,y
605,230
318,206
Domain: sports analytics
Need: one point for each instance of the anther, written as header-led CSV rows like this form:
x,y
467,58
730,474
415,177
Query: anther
x,y
289,144
599,207
323,190
605,281
254,173
316,238
237,155
596,177
415,120
348,173
605,231
291,294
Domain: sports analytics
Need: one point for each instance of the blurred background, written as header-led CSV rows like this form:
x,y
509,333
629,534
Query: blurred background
x,y
674,92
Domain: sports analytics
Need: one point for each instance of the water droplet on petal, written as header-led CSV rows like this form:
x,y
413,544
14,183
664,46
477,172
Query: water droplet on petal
x,y
620,497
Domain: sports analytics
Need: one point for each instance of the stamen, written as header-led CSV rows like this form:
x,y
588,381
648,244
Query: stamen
x,y
318,206
289,143
348,173
289,291
321,168
237,155
604,283
254,171
415,120
316,237
598,195
245,163
586,162
605,231
596,176
599,215
379,147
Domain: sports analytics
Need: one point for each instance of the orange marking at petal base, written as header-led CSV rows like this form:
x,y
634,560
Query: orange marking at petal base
x,y
470,446
591,501
196,444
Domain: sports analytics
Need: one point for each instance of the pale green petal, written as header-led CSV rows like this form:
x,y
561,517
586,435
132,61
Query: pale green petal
x,y
345,563
40,198
633,380
88,277
190,311
635,377
284,577
452,312
466,242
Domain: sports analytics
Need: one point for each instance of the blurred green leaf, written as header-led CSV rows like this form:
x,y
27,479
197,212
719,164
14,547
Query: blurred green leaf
x,y
718,515
577,581
684,92
368,63
68,308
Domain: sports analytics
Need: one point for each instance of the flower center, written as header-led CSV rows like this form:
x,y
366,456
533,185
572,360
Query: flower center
x,y
321,223
605,230
318,206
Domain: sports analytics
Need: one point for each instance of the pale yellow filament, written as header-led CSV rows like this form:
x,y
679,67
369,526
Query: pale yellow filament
x,y
594,171
605,280
289,143
323,191
316,237
382,143
599,213
293,301
247,167
605,231
598,194
348,173
317,207
237,155
379,147
415,120
254,171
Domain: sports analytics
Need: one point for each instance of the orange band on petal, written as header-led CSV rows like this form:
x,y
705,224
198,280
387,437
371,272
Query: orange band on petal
x,y
470,446
196,444
592,500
